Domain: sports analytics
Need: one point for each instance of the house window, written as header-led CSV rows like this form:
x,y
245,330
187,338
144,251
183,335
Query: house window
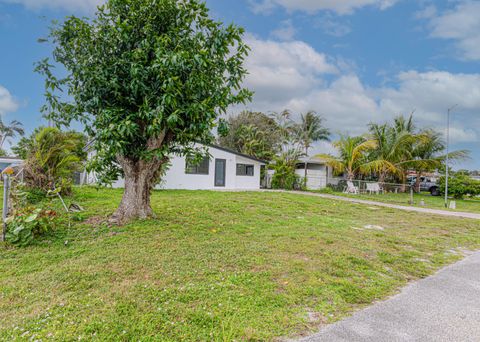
x,y
195,168
245,170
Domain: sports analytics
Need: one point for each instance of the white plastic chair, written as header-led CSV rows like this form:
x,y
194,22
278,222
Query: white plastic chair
x,y
374,188
351,188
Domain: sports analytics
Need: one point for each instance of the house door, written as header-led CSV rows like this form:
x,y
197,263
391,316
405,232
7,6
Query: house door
x,y
220,172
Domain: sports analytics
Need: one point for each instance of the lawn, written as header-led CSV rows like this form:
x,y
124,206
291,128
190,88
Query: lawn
x,y
218,266
432,202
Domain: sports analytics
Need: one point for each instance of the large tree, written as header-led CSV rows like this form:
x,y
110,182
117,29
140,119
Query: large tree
x,y
393,148
148,79
352,157
428,154
252,133
310,129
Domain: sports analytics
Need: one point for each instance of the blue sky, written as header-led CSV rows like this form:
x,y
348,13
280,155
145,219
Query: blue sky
x,y
353,61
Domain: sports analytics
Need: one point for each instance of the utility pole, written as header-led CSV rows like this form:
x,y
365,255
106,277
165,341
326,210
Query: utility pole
x,y
447,162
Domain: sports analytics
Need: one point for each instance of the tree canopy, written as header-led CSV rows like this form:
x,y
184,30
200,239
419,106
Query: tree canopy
x,y
252,133
147,78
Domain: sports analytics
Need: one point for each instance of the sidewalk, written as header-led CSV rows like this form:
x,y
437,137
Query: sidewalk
x,y
387,205
443,307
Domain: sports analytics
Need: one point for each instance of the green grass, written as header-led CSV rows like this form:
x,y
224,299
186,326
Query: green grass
x,y
432,202
218,266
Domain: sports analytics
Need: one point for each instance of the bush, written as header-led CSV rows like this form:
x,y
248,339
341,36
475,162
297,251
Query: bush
x,y
29,223
27,219
328,191
285,176
34,195
52,158
460,186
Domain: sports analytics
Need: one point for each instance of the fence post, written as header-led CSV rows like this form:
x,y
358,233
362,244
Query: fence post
x,y
6,189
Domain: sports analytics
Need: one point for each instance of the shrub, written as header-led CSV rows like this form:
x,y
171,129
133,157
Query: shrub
x,y
53,158
328,190
27,224
284,167
284,176
28,220
460,186
34,196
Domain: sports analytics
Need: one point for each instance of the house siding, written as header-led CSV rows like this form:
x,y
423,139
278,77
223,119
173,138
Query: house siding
x,y
176,178
317,176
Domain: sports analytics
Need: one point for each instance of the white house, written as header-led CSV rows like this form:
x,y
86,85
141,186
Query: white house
x,y
224,170
9,161
318,172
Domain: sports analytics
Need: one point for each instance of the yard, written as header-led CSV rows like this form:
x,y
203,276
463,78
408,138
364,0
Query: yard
x,y
432,202
218,266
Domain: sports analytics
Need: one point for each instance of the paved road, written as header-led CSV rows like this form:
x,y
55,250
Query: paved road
x,y
444,307
394,206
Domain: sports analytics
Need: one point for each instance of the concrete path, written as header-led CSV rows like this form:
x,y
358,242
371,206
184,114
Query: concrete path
x,y
393,206
444,307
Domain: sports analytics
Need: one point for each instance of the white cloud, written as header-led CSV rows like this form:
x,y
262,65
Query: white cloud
x,y
346,104
462,24
280,68
70,5
431,94
462,135
312,6
332,26
293,75
285,32
428,12
7,102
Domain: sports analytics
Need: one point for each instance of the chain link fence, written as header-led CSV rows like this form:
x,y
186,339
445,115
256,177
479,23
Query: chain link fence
x,y
357,186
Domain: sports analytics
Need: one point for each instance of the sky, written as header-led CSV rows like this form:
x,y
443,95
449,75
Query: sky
x,y
352,61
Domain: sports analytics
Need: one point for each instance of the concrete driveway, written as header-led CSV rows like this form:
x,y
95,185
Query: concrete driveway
x,y
444,307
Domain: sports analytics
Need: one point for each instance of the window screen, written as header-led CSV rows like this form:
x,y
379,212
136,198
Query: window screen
x,y
201,168
245,170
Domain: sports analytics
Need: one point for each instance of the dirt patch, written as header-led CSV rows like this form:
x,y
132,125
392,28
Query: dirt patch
x,y
96,221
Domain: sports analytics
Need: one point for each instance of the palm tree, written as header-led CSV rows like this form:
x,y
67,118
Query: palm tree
x,y
9,131
428,154
393,147
404,124
310,130
53,158
402,148
352,159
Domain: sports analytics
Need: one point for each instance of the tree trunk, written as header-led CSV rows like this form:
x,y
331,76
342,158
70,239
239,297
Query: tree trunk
x,y
135,202
404,182
140,179
381,177
350,176
418,181
306,164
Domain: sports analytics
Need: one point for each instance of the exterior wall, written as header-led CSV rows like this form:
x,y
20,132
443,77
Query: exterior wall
x,y
6,162
247,182
316,176
176,178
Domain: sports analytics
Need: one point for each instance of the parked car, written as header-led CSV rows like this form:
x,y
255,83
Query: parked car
x,y
426,184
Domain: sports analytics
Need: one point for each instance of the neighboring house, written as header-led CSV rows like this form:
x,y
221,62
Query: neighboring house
x,y
9,161
318,172
225,169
